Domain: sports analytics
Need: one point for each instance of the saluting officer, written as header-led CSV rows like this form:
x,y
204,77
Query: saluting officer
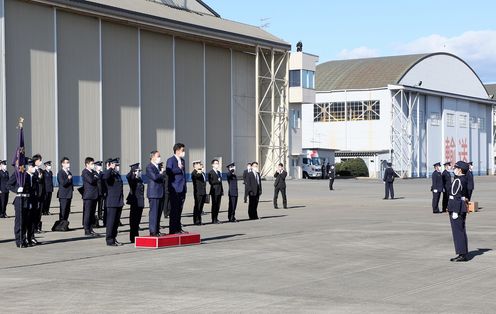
x,y
280,186
436,187
4,191
115,201
26,196
232,181
48,177
90,195
199,191
38,160
216,190
446,175
457,208
389,175
470,180
135,198
332,176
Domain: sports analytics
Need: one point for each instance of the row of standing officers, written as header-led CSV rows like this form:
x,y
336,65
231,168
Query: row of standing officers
x,y
103,198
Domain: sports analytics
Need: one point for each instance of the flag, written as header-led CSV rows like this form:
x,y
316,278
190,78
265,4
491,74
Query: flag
x,y
19,160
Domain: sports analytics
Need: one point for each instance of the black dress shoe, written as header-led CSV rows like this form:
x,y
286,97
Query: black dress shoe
x,y
217,222
118,243
112,244
34,241
275,207
153,235
384,198
459,258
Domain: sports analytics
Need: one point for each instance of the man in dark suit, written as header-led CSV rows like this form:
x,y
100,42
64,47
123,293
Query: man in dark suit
x,y
280,186
389,175
48,177
4,191
436,187
199,191
66,188
166,202
245,175
332,176
90,195
155,192
99,200
232,181
135,198
254,182
216,190
39,173
115,201
327,170
176,171
26,197
446,175
470,180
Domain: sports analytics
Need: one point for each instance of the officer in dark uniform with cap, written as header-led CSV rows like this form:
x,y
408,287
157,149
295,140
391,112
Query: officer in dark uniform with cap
x,y
232,181
280,185
446,175
4,191
199,179
457,208
26,199
90,195
115,201
48,177
99,200
389,175
136,199
470,180
332,176
436,187
39,173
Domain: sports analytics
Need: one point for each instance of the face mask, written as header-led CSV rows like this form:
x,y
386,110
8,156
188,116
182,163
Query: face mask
x,y
48,168
92,167
3,167
68,166
215,166
98,168
182,154
117,168
254,169
232,170
158,160
138,174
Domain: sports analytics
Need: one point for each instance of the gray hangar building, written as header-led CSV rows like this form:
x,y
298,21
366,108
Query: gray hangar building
x,y
120,78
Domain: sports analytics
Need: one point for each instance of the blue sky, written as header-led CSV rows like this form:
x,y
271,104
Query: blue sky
x,y
354,29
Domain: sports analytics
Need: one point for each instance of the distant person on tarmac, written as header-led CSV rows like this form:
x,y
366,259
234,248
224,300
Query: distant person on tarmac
x,y
389,175
332,176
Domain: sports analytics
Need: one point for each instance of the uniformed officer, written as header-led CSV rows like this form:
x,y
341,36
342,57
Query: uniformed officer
x,y
470,180
332,176
232,181
457,208
4,191
39,173
26,196
66,188
254,182
280,185
115,201
216,189
389,175
48,176
90,195
436,187
199,190
446,175
99,201
136,199
245,175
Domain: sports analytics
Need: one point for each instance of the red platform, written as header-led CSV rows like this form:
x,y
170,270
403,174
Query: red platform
x,y
167,240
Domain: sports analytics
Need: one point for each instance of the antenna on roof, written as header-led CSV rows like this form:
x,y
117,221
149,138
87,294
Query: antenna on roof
x,y
265,22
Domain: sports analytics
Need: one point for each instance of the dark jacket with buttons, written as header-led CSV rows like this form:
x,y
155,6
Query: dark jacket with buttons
x,y
66,186
115,188
90,184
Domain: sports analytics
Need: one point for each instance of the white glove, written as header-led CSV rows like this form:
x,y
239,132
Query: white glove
x,y
455,215
20,189
435,191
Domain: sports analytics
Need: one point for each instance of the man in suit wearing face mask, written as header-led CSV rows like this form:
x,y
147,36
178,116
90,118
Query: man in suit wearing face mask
x,y
176,172
254,190
155,191
48,176
90,195
216,189
66,188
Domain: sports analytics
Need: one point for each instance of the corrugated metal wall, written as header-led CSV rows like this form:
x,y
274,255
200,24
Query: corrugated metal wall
x,y
30,72
218,104
157,94
120,82
190,99
78,67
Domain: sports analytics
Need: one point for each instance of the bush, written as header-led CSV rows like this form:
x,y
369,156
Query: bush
x,y
352,167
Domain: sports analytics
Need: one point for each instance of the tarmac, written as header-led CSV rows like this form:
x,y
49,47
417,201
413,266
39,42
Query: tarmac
x,y
342,251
